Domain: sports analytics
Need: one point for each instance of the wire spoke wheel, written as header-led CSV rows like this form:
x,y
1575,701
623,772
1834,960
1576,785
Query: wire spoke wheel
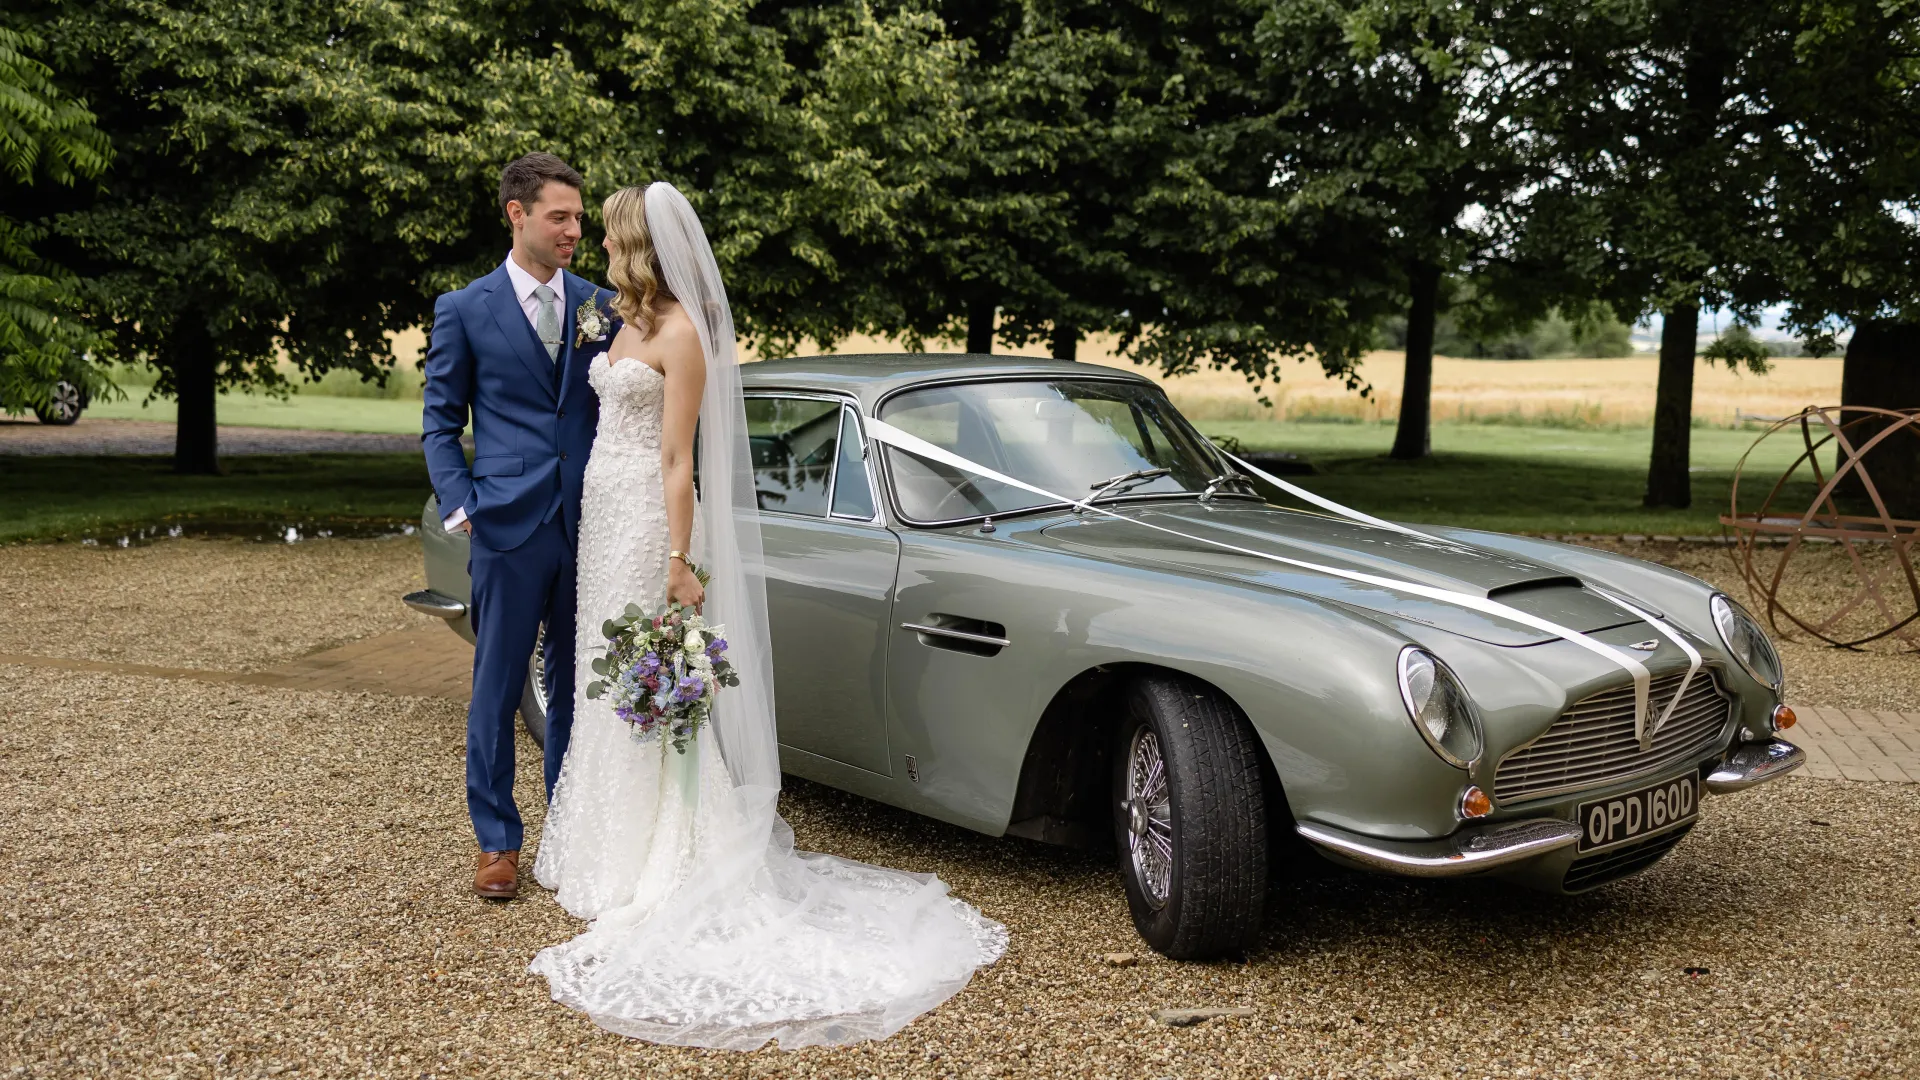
x,y
1149,810
533,698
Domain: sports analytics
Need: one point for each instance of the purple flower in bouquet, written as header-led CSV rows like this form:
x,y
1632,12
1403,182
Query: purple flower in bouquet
x,y
690,689
716,647
650,663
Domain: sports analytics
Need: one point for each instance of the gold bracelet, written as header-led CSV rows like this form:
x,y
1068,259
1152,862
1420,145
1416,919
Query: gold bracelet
x,y
682,556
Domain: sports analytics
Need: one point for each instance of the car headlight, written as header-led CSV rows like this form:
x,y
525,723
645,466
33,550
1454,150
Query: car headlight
x,y
1438,706
1747,642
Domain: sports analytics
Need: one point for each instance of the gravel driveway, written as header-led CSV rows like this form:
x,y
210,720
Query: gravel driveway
x,y
226,605
222,880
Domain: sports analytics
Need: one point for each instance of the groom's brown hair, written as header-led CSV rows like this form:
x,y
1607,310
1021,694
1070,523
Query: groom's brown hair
x,y
524,177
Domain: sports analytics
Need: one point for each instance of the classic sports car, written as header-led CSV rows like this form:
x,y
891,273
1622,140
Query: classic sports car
x,y
1163,659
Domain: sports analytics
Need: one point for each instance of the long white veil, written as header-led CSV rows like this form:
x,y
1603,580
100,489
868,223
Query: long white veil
x,y
761,942
729,525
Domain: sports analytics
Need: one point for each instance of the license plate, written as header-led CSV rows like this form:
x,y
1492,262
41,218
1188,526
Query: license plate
x,y
1620,818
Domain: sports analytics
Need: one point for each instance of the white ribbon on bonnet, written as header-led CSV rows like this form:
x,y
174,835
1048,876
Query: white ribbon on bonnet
x,y
883,432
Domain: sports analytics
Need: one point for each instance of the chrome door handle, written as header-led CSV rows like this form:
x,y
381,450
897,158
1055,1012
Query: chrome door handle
x,y
962,635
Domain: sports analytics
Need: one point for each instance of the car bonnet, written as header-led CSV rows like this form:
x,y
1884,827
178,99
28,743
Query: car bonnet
x,y
1534,588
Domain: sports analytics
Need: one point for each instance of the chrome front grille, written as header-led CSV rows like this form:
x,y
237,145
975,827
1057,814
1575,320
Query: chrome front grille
x,y
1593,744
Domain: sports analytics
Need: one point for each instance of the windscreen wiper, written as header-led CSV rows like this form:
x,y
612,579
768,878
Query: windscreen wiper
x,y
1225,478
1128,479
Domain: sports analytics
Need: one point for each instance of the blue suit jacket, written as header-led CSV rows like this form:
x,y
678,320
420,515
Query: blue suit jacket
x,y
532,426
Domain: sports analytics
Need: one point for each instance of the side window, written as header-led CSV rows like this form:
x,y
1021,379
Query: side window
x,y
794,442
852,495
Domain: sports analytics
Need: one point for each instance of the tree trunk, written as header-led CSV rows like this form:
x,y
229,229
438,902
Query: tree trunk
x,y
1066,337
980,326
1882,369
1413,438
196,434
1669,483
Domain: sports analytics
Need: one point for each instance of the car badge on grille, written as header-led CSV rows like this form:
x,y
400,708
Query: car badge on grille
x,y
1646,646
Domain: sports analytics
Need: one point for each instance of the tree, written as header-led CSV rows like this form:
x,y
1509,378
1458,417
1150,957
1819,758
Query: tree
x,y
1849,169
283,179
1070,109
45,137
812,139
1412,125
1664,191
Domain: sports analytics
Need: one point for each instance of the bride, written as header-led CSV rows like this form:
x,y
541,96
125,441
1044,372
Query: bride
x,y
709,929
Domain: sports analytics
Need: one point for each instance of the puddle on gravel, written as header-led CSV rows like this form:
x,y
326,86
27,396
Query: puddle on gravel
x,y
258,532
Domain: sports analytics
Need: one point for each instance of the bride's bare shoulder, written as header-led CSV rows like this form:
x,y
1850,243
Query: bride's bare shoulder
x,y
674,334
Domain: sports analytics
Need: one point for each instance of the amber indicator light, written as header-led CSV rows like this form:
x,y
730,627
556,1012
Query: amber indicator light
x,y
1783,718
1474,803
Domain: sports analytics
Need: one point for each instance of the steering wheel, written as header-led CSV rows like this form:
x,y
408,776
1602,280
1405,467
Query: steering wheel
x,y
959,491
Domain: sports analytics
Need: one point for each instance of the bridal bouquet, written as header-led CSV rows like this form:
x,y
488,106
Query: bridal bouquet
x,y
662,672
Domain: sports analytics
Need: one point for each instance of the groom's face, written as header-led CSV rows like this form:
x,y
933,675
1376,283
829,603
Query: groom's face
x,y
549,229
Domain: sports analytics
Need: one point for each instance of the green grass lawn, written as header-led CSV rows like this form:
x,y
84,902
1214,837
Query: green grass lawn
x,y
318,412
1512,479
1517,479
71,497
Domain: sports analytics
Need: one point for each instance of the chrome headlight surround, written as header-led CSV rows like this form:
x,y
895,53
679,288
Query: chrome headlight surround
x,y
1437,704
1748,644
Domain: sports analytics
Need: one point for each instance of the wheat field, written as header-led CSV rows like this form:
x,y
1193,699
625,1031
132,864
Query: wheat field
x,y
1608,393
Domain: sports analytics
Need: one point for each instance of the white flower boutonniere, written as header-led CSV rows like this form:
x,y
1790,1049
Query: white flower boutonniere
x,y
591,323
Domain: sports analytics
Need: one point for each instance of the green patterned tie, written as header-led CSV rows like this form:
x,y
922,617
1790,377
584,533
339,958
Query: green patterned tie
x,y
548,324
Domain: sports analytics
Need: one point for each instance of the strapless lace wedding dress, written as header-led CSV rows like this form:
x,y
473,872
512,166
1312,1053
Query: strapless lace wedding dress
x,y
708,928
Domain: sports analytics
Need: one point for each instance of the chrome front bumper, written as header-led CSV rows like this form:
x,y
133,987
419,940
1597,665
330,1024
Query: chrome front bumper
x,y
1755,763
1468,851
428,602
1484,847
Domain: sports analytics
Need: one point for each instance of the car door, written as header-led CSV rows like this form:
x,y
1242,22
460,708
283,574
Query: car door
x,y
830,572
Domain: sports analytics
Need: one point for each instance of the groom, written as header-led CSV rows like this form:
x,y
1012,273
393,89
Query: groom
x,y
505,349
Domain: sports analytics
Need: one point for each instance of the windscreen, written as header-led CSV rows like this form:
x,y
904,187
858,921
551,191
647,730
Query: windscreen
x,y
1066,436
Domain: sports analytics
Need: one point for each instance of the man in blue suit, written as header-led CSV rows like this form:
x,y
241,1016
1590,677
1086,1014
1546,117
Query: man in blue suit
x,y
506,349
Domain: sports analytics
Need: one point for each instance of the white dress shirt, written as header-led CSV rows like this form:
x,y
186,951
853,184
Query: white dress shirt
x,y
523,286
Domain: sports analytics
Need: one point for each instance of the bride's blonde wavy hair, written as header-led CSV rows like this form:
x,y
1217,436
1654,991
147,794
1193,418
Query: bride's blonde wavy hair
x,y
632,265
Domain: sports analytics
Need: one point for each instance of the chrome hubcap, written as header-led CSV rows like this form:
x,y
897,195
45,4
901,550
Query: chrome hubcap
x,y
537,670
65,403
1149,818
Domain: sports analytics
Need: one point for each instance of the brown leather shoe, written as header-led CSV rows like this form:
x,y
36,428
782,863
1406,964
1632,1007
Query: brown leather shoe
x,y
498,875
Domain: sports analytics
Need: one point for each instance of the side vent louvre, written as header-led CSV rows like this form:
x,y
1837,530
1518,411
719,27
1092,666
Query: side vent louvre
x,y
958,633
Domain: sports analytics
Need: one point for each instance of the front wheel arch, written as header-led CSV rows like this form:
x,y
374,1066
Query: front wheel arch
x,y
1065,778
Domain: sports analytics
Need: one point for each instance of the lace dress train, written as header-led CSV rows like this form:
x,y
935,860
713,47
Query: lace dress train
x,y
709,929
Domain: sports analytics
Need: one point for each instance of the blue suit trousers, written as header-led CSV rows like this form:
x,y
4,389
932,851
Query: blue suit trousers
x,y
513,592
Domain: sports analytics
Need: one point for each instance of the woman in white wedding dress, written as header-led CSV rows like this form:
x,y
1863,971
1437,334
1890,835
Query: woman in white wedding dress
x,y
708,929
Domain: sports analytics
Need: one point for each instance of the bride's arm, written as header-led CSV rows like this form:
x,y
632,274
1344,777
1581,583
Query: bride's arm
x,y
686,370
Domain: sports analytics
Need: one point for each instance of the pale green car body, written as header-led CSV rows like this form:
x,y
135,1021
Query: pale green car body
x,y
1014,738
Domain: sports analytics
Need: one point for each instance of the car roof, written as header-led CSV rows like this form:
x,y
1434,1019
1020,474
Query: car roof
x,y
872,376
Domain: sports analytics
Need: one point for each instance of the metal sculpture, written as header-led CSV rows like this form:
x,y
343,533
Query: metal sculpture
x,y
1884,600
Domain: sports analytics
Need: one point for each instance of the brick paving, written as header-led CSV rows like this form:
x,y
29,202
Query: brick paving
x,y
432,661
1858,744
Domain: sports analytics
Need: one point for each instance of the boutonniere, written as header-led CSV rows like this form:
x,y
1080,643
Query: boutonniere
x,y
590,323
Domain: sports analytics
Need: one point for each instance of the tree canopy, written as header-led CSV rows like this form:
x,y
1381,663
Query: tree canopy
x,y
46,137
1221,182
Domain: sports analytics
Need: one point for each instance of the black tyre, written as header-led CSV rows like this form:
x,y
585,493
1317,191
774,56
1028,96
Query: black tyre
x,y
533,697
64,404
1190,820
